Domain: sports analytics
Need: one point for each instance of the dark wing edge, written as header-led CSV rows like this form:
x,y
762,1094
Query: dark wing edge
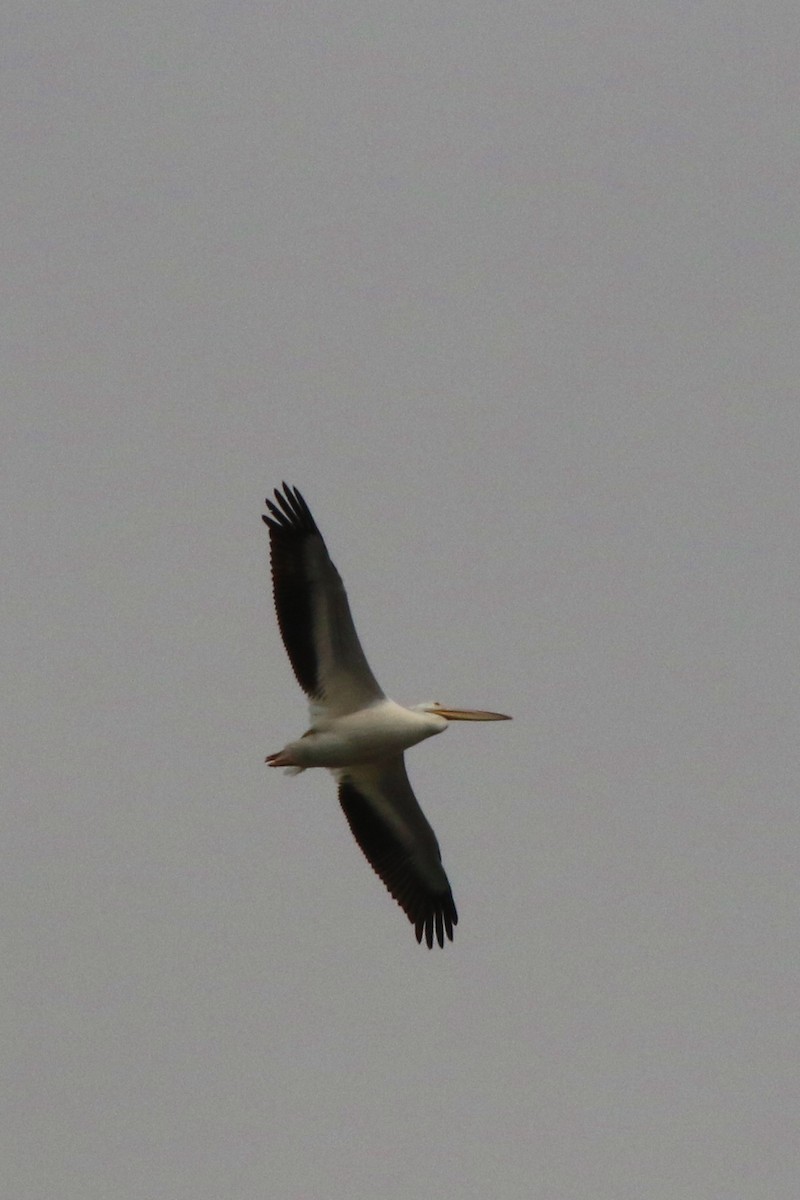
x,y
429,907
290,525
313,612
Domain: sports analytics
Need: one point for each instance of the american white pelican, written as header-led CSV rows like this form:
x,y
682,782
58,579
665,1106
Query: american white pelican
x,y
356,731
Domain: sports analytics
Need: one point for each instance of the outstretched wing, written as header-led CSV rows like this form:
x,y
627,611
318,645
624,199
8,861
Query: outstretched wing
x,y
313,613
391,829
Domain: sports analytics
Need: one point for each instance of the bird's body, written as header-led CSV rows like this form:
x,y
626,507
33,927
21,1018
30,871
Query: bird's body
x,y
363,736
356,731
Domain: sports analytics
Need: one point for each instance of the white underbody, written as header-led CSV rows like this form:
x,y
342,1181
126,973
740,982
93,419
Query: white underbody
x,y
379,731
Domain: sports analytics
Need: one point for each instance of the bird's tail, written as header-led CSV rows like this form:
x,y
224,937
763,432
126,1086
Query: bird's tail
x,y
280,760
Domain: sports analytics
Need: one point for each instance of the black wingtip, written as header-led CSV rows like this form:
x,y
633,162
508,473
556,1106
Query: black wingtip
x,y
439,922
288,511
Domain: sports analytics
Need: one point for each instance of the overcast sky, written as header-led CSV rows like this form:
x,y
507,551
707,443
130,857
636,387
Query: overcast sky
x,y
510,291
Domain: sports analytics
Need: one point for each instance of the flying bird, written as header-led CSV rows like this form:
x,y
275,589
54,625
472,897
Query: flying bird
x,y
357,732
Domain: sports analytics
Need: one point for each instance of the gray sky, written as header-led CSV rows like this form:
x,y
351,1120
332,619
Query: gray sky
x,y
511,293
